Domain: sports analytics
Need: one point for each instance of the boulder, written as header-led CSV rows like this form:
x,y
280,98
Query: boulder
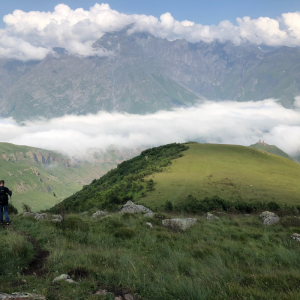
x,y
41,216
149,215
210,216
99,213
269,218
179,224
64,277
296,237
149,225
130,207
57,218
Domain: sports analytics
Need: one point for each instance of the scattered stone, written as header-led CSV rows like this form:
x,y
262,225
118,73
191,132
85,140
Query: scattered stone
x,y
28,213
18,296
128,297
118,298
296,237
64,277
57,218
179,224
269,218
41,216
149,225
130,207
99,213
210,216
149,215
101,292
246,215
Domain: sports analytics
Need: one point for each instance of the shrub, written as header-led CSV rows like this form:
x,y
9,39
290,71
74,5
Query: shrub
x,y
26,207
168,206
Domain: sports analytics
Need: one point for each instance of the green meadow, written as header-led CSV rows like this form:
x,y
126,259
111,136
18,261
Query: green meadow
x,y
229,171
235,257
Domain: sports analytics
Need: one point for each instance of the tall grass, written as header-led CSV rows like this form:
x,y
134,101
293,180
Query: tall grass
x,y
233,258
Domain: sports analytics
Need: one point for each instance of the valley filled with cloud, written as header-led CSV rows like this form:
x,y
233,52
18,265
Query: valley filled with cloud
x,y
228,122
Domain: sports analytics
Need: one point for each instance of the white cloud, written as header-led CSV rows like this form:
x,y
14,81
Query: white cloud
x,y
32,35
228,122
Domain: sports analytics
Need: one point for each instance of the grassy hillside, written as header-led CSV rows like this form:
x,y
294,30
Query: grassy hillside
x,y
35,174
231,258
229,171
271,149
172,172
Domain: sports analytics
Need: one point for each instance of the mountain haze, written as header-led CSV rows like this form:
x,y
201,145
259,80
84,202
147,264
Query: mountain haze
x,y
143,74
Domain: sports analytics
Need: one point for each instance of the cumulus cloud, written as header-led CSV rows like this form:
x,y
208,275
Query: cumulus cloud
x,y
214,122
33,35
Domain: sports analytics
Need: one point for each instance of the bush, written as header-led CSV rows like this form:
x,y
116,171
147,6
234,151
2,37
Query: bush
x,y
26,207
168,206
12,209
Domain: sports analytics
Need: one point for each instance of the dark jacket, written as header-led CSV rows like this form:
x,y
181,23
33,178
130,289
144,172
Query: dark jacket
x,y
3,195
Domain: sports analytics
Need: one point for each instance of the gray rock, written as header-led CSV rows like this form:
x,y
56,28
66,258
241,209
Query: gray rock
x,y
179,224
149,215
27,213
128,297
130,207
246,215
149,225
57,220
57,216
269,218
210,216
267,214
41,216
296,237
99,213
64,277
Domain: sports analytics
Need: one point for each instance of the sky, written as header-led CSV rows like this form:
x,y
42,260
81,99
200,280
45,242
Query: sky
x,y
31,29
198,11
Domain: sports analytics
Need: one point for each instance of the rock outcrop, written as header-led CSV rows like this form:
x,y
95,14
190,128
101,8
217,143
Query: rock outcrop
x,y
64,277
130,207
296,237
210,216
99,213
269,218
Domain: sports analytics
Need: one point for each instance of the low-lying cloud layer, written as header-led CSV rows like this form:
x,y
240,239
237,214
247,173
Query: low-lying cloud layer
x,y
32,35
214,122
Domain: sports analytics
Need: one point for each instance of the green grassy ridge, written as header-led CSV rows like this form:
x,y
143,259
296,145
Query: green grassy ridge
x,y
124,182
233,173
271,149
33,174
232,258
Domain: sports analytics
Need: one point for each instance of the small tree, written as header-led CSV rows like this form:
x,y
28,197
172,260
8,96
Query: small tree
x,y
150,185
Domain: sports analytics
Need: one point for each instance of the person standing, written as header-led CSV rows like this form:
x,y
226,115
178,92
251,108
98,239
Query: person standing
x,y
4,192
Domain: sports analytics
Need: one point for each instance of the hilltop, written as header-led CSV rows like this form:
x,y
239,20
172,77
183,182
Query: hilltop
x,y
261,145
35,174
173,172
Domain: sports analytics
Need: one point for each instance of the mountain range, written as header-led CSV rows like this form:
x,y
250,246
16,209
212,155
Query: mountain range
x,y
143,74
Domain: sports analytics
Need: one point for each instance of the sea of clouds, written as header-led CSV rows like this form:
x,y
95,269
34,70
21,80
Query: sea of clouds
x,y
229,122
32,35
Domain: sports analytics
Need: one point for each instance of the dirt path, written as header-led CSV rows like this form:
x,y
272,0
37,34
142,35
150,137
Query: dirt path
x,y
36,266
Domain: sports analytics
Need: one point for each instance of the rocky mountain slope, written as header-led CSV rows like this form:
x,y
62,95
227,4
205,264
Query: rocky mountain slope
x,y
35,174
144,74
